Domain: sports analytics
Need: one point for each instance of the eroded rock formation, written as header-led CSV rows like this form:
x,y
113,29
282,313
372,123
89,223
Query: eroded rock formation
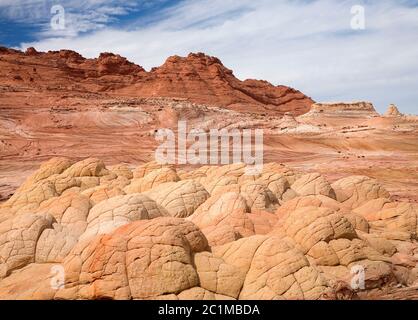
x,y
175,239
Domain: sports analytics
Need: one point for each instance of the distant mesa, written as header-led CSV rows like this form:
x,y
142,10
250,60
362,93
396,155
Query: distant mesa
x,y
356,107
359,109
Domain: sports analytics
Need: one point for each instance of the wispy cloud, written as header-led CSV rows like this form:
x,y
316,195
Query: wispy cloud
x,y
80,15
302,43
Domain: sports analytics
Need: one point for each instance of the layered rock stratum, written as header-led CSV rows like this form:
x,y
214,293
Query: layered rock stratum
x,y
81,196
61,104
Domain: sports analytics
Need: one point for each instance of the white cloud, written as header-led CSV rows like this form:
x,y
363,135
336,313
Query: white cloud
x,y
81,15
305,44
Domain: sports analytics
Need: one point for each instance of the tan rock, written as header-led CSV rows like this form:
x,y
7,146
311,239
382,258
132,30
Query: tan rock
x,y
219,235
146,168
274,270
29,199
47,169
318,201
69,210
404,260
152,180
217,276
113,181
381,245
198,293
386,216
263,221
289,194
233,170
122,170
310,225
354,191
18,240
224,209
370,208
114,245
180,199
255,192
313,184
324,254
90,167
221,185
348,251
274,167
358,222
101,193
55,178
110,214
55,244
191,175
377,274
258,196
140,260
277,183
32,282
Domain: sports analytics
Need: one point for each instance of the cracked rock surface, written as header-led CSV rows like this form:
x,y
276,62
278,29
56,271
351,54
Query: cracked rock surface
x,y
84,231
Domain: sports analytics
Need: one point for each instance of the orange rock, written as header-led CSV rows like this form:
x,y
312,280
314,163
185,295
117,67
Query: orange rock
x,y
249,238
354,191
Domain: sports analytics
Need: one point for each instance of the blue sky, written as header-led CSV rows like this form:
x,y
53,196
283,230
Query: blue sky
x,y
306,44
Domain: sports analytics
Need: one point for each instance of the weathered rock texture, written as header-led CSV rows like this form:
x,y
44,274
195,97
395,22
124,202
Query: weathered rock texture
x,y
171,238
60,104
343,198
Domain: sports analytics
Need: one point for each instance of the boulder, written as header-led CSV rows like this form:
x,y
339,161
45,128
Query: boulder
x,y
313,184
180,199
152,180
355,191
140,260
110,214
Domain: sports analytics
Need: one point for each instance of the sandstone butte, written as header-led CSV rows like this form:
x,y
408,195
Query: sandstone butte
x,y
85,212
197,77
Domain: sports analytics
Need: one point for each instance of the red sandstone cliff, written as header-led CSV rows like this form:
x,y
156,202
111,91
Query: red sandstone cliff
x,y
197,77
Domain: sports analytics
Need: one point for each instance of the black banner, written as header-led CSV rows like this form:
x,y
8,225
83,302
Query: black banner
x,y
208,309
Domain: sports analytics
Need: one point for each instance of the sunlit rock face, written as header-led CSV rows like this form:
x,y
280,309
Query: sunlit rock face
x,y
179,240
86,211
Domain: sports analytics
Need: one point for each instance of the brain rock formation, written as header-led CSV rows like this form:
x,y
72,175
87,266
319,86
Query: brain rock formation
x,y
84,231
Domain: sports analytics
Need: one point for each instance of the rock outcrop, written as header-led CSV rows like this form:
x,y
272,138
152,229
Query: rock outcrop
x,y
197,77
204,79
393,111
339,113
59,103
360,108
177,240
341,202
